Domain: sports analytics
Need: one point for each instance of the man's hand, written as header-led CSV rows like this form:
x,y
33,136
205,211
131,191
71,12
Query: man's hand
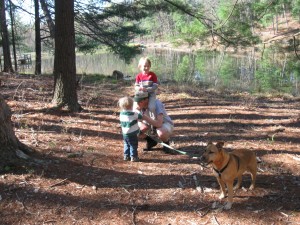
x,y
157,122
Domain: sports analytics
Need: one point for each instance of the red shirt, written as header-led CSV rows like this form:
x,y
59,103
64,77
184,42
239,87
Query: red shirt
x,y
146,80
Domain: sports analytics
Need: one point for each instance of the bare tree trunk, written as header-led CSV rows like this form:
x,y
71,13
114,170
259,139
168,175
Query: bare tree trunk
x,y
285,17
5,39
65,93
273,24
38,47
49,20
276,23
12,19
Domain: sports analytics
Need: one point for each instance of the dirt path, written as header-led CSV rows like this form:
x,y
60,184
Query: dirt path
x,y
84,179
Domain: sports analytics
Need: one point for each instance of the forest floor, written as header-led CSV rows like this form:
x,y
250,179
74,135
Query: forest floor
x,y
82,178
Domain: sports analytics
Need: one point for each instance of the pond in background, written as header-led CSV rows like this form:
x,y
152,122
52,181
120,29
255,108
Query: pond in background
x,y
250,72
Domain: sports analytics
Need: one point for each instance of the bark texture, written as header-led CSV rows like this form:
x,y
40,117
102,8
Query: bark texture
x,y
10,146
65,93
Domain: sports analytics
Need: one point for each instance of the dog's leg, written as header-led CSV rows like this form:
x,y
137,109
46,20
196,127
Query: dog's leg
x,y
230,195
222,187
253,177
238,184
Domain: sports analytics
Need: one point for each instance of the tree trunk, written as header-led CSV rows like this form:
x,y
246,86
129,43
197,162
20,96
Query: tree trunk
x,y
5,40
10,146
38,47
64,59
49,20
12,24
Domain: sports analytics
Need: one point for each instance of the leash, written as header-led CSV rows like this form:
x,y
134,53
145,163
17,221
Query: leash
x,y
166,145
170,147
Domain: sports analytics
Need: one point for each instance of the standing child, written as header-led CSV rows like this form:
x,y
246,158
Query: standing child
x,y
147,81
130,129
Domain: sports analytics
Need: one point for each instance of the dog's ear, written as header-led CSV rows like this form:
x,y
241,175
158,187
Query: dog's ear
x,y
220,145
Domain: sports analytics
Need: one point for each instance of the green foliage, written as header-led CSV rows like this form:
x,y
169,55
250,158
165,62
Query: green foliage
x,y
148,25
103,24
223,9
296,9
295,68
261,13
111,27
182,72
270,76
189,29
227,71
85,45
236,24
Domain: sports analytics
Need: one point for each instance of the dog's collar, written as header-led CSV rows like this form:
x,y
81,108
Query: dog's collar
x,y
219,172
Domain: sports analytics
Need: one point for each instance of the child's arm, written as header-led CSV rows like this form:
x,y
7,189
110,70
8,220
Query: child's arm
x,y
154,85
138,86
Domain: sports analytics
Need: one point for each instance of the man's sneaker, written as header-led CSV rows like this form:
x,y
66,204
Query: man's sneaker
x,y
150,144
135,159
153,130
126,158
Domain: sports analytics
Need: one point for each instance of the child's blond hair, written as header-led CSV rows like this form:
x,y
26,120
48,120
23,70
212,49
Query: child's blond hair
x,y
143,60
125,103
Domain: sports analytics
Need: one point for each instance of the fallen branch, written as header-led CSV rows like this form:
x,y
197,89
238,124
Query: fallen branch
x,y
58,183
198,186
133,215
215,220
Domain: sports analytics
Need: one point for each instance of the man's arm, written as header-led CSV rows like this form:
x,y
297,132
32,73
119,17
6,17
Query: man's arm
x,y
156,123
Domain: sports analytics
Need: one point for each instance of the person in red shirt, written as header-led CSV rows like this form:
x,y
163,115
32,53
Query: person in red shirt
x,y
147,81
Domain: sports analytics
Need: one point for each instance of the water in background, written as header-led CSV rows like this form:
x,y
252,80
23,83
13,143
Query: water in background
x,y
250,72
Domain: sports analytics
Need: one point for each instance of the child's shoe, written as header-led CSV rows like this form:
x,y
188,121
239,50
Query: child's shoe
x,y
126,158
135,159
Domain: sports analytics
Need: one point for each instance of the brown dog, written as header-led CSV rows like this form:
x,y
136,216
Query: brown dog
x,y
228,166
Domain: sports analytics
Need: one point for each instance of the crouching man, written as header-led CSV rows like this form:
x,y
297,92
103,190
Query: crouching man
x,y
161,123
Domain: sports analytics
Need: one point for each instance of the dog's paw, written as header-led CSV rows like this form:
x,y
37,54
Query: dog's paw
x,y
228,205
222,195
236,187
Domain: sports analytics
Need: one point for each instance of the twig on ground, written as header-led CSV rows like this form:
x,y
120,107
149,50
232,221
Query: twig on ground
x,y
198,186
133,215
17,90
286,215
215,220
206,211
50,221
58,183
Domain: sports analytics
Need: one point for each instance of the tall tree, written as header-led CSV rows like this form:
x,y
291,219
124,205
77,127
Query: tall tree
x,y
10,146
48,18
38,46
12,24
5,39
64,59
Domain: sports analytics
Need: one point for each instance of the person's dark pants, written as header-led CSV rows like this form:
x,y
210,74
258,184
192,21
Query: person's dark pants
x,y
150,143
131,146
